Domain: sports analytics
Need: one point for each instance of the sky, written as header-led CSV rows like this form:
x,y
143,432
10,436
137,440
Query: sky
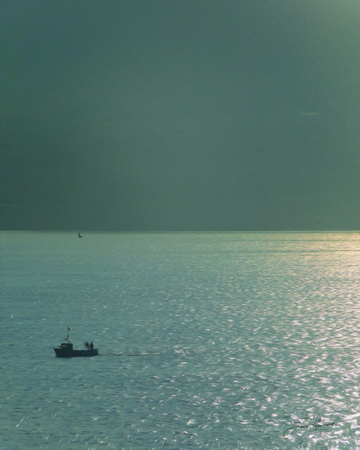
x,y
191,115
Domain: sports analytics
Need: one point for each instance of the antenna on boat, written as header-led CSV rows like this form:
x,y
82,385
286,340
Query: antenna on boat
x,y
68,331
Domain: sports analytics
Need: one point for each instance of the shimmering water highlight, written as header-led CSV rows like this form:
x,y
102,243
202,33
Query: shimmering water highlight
x,y
217,340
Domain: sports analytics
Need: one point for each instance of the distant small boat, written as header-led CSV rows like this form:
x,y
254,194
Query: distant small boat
x,y
66,349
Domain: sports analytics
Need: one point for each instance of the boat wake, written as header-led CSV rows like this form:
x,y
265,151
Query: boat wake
x,y
129,354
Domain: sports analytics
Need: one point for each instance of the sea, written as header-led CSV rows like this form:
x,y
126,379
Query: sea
x,y
206,340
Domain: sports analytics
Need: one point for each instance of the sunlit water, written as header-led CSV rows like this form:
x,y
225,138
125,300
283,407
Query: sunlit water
x,y
220,341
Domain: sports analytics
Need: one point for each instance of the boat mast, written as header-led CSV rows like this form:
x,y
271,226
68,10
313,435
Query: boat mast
x,y
68,331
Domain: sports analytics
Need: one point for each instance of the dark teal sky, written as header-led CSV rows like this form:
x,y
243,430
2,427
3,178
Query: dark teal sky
x,y
180,115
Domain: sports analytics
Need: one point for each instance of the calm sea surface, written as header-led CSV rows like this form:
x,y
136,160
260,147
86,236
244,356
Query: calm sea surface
x,y
206,340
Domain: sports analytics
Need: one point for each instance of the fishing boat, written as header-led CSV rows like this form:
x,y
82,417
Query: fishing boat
x,y
66,350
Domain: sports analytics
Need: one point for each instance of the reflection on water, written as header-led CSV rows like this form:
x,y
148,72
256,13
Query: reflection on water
x,y
239,341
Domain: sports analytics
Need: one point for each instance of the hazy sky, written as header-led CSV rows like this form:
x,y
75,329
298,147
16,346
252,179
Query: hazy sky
x,y
180,115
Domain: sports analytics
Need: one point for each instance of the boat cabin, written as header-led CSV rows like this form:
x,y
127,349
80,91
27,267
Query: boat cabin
x,y
67,346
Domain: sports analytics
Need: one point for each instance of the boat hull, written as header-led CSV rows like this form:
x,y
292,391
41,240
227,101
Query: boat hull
x,y
64,353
